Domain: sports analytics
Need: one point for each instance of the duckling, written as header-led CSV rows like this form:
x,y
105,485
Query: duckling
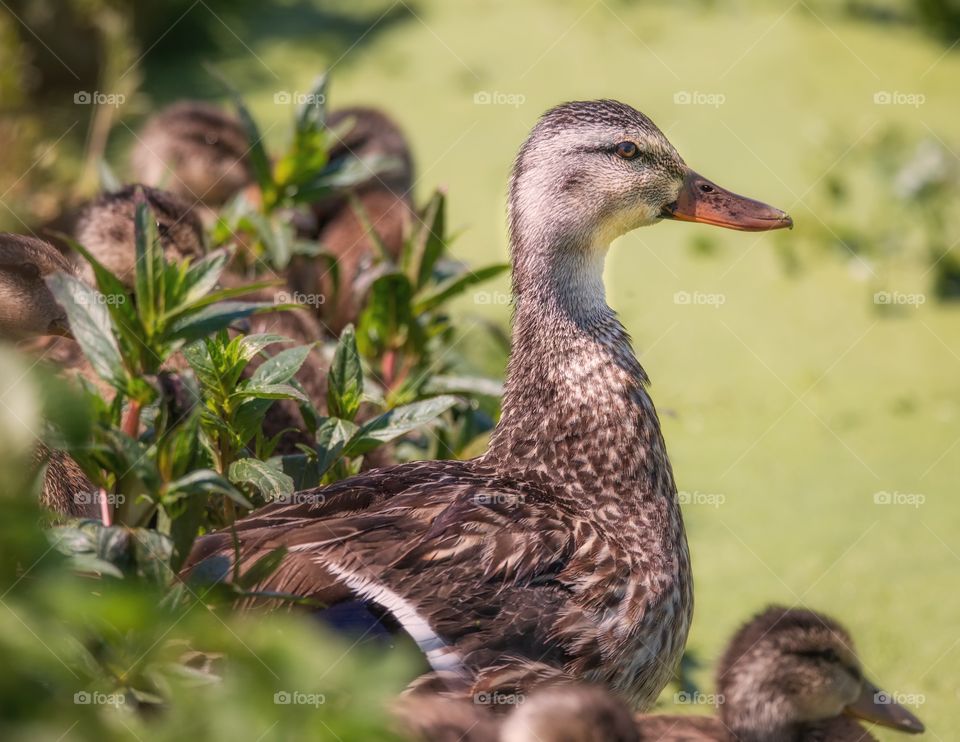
x,y
65,490
788,675
571,712
28,310
385,200
561,550
195,151
27,307
105,227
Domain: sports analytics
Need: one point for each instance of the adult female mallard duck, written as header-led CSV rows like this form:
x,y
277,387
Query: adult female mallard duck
x,y
560,552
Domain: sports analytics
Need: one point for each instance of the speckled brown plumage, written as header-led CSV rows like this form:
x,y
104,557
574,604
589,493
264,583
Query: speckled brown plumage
x,y
561,713
787,675
194,150
105,227
27,307
385,198
560,553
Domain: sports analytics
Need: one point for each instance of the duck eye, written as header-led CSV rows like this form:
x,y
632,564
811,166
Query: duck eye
x,y
28,271
627,150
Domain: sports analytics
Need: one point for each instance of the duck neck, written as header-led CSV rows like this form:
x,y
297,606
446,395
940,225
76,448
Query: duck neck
x,y
575,407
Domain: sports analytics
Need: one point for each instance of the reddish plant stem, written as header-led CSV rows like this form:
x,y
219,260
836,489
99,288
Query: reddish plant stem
x,y
131,420
105,515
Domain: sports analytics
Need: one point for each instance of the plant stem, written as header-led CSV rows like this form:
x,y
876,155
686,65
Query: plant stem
x,y
105,515
131,420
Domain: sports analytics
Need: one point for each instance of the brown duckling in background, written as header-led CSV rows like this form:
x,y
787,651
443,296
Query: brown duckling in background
x,y
194,150
559,713
27,307
385,199
788,675
28,310
105,227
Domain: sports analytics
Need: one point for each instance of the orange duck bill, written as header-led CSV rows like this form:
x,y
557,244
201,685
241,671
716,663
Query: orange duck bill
x,y
703,201
879,707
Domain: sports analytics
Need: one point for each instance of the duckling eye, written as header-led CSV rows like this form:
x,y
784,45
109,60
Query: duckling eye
x,y
28,271
627,150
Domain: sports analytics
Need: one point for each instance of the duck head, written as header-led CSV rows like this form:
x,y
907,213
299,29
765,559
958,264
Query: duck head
x,y
789,667
194,150
570,712
27,307
105,227
591,171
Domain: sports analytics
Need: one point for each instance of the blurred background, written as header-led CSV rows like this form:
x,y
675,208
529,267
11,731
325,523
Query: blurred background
x,y
807,380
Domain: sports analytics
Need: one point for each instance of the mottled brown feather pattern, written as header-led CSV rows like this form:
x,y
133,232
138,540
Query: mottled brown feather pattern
x,y
559,553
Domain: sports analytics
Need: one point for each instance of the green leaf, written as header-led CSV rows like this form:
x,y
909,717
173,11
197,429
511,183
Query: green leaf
x,y
212,318
427,300
268,391
90,324
473,385
282,367
269,480
387,318
345,378
313,113
147,263
333,434
398,421
429,244
202,276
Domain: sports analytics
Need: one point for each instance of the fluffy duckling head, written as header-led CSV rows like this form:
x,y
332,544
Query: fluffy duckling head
x,y
105,227
790,667
27,307
570,713
195,151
